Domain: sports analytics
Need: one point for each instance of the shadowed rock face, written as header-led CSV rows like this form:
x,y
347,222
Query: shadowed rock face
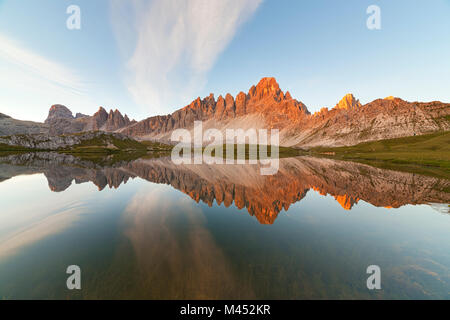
x,y
242,185
46,142
61,121
99,118
10,126
58,111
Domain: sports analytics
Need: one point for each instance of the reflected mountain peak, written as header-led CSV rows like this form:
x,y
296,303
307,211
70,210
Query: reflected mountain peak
x,y
264,197
346,201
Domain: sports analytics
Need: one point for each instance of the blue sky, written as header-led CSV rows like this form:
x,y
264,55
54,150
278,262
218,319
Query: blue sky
x,y
153,57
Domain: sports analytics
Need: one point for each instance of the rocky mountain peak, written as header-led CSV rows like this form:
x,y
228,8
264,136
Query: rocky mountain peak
x,y
99,118
265,102
348,102
116,120
101,113
58,111
288,96
4,116
80,115
101,110
346,202
392,98
265,88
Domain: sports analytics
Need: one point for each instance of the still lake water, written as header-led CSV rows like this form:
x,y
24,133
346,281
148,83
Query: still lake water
x,y
148,229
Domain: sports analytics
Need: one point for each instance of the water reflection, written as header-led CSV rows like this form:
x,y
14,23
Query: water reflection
x,y
242,185
141,238
175,253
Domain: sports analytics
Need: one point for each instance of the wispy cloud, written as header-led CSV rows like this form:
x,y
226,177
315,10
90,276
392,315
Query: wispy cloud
x,y
39,67
31,234
176,42
31,83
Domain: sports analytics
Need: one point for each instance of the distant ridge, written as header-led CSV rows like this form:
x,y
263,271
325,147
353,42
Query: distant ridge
x,y
61,120
265,105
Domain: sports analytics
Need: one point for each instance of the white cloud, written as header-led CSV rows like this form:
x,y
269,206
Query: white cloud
x,y
176,42
31,83
38,66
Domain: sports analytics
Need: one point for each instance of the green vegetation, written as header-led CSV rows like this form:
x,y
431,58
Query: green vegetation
x,y
107,149
5,148
103,149
106,144
104,159
157,146
426,154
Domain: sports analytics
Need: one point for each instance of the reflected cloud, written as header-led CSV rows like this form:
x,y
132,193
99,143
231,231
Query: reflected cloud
x,y
176,255
13,242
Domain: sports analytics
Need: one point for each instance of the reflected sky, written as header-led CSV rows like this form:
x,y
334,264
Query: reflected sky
x,y
144,239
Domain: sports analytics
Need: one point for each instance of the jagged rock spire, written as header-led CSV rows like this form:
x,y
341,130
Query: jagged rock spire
x,y
348,102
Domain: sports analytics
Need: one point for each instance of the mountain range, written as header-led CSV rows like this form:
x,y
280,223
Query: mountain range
x,y
264,106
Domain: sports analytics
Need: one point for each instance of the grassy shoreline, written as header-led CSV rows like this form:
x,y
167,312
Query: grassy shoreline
x,y
426,154
100,149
